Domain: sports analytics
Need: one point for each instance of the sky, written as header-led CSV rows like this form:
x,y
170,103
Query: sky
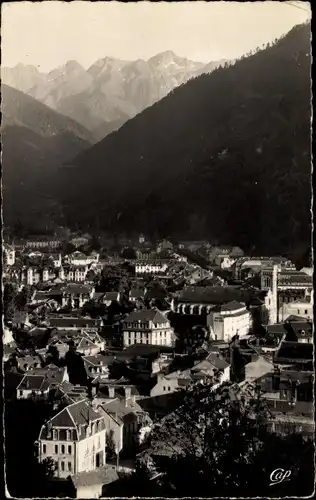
x,y
50,33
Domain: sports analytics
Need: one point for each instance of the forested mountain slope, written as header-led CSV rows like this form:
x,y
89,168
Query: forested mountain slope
x,y
227,156
36,140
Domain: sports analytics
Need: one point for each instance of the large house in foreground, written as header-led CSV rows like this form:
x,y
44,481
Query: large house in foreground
x,y
75,439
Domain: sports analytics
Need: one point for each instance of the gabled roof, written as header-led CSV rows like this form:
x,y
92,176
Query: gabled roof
x,y
99,360
78,322
217,360
33,383
185,374
232,306
146,315
51,372
84,342
120,408
78,413
82,413
102,476
77,289
296,319
63,419
111,295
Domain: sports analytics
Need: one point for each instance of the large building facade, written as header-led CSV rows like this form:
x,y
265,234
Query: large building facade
x,y
285,287
147,327
74,439
229,320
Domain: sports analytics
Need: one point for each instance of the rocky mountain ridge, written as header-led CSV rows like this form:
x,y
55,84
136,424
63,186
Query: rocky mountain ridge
x,y
111,91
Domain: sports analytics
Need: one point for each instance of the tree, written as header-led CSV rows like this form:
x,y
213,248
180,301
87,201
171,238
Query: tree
x,y
75,366
23,297
206,435
95,243
217,444
110,445
128,253
192,338
49,466
68,248
53,355
9,306
260,317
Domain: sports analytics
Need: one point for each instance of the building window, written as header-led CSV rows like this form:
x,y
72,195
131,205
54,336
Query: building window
x,y
164,388
69,449
63,448
44,448
69,466
56,449
169,389
21,393
306,311
62,466
298,311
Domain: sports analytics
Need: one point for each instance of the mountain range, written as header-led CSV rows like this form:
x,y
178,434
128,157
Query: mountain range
x,y
225,156
110,92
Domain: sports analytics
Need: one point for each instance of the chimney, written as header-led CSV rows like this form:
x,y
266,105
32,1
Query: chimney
x,y
111,391
128,393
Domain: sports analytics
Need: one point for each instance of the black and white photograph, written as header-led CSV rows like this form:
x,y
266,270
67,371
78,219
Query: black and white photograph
x,y
157,255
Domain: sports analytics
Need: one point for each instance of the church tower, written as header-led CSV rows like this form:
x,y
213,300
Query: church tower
x,y
274,306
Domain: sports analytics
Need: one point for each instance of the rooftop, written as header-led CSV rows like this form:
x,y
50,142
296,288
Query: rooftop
x,y
99,359
111,295
121,407
142,350
34,383
78,413
296,351
152,315
294,278
64,322
103,475
216,295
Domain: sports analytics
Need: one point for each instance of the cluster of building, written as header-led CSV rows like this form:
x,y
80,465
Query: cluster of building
x,y
135,362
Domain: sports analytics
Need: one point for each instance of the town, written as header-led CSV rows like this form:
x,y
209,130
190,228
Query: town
x,y
103,337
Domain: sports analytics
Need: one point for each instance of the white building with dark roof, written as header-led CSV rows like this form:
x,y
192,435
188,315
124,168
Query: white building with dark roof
x,y
80,259
32,386
228,320
124,418
147,327
75,439
98,365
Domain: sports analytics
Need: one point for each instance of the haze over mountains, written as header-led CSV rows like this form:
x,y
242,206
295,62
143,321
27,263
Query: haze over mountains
x,y
110,92
225,157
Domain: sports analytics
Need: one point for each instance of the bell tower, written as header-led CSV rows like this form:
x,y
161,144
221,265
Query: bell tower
x,y
274,306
